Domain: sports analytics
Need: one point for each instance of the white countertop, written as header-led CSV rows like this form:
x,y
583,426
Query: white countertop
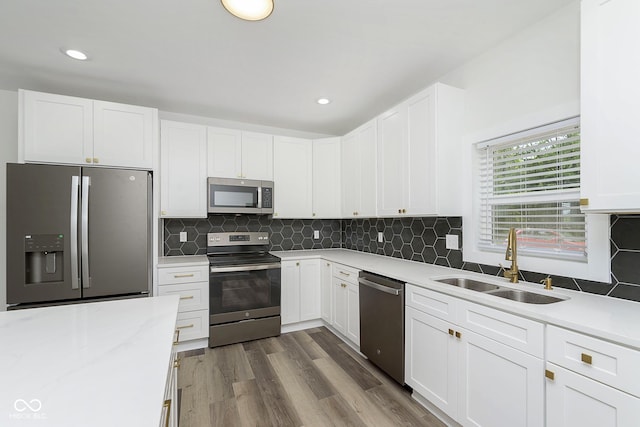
x,y
182,261
93,364
604,317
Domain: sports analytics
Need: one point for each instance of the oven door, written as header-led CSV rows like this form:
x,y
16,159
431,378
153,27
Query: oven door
x,y
243,292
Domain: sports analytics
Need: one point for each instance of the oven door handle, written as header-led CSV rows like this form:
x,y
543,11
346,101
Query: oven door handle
x,y
244,268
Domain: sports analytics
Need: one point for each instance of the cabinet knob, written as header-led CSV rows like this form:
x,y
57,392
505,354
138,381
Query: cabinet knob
x,y
584,202
163,212
404,211
586,358
458,334
96,160
275,214
399,210
297,263
313,214
451,332
549,374
88,160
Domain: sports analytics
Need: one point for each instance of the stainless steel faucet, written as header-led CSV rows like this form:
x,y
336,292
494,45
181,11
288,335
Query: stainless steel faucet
x,y
512,255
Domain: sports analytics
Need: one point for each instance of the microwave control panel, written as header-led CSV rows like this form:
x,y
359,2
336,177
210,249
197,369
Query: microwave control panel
x,y
267,197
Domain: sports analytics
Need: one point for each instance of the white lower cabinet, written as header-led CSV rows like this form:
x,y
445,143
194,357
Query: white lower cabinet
x,y
575,400
326,303
169,415
474,379
192,284
346,302
590,382
300,290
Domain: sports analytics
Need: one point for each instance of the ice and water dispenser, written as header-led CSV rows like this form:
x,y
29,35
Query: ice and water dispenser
x,y
44,258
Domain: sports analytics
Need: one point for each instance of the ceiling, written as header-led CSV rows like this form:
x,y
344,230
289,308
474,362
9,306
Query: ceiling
x,y
192,57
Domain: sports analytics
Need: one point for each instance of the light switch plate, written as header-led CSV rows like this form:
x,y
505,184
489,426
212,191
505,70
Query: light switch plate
x,y
316,234
183,236
380,236
452,241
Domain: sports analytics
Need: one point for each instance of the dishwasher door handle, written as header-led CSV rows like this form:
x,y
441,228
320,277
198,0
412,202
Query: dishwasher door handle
x,y
378,287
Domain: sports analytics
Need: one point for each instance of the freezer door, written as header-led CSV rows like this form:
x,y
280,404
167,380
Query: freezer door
x,y
42,245
115,229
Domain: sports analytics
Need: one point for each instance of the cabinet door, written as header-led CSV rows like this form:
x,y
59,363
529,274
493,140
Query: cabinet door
x,y
391,166
498,385
575,400
290,292
123,135
310,289
224,153
57,128
431,359
350,173
257,156
339,305
353,313
326,301
183,173
326,178
419,191
292,164
367,155
610,101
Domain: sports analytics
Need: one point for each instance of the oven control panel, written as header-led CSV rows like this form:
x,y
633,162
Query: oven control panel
x,y
238,238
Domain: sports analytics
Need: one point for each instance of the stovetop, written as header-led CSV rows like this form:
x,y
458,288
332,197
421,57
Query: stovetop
x,y
230,259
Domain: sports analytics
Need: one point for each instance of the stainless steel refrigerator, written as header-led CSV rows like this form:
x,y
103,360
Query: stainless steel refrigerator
x,y
77,234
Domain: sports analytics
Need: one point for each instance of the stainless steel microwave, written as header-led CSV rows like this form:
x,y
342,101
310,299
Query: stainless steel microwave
x,y
239,196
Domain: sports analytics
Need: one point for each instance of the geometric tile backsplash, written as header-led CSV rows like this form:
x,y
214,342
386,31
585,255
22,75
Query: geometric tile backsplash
x,y
419,239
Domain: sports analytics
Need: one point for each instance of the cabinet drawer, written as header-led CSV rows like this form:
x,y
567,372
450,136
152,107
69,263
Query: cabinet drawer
x,y
434,303
347,274
193,296
517,332
193,325
169,276
603,361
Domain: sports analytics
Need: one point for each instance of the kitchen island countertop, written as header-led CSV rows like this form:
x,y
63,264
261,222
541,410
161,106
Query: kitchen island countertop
x,y
92,364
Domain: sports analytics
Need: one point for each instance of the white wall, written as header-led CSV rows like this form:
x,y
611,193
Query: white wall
x,y
8,153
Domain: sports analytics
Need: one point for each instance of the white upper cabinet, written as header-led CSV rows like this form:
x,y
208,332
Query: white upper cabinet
x,y
292,165
610,102
326,178
358,167
418,142
239,154
65,129
183,170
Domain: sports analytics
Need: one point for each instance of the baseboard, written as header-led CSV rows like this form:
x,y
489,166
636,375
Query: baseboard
x,y
301,326
435,410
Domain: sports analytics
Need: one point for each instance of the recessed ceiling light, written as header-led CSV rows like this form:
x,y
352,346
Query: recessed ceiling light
x,y
249,10
323,101
76,54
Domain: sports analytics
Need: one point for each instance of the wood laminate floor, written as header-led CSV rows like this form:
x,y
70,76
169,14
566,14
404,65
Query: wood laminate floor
x,y
305,378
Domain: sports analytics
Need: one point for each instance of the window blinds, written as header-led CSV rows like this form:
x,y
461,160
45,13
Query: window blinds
x,y
531,181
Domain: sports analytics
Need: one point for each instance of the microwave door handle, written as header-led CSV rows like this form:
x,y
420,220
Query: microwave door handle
x,y
259,197
73,232
86,184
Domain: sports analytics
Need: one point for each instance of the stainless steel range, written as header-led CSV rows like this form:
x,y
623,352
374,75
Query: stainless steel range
x,y
244,288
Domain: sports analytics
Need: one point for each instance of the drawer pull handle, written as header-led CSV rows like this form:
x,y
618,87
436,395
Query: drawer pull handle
x,y
177,337
586,358
344,285
346,274
458,334
167,404
451,332
549,374
190,325
181,276
187,297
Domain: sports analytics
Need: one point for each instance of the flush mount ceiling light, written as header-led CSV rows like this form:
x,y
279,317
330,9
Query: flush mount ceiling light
x,y
323,101
249,10
75,54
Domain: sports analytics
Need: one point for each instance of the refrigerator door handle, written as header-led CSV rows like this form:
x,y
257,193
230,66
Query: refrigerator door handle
x,y
86,183
75,278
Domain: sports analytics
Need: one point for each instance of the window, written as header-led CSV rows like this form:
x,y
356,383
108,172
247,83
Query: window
x,y
531,181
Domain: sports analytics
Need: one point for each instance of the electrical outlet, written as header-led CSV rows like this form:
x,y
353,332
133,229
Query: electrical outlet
x,y
380,237
452,241
183,236
316,234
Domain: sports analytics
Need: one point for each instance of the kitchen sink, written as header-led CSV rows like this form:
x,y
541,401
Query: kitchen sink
x,y
474,285
524,296
498,291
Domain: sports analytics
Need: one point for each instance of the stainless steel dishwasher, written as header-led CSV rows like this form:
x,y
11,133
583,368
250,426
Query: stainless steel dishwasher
x,y
382,323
